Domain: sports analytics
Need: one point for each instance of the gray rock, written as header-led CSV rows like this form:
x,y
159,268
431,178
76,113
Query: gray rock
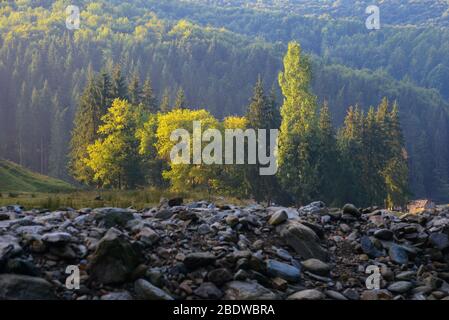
x,y
113,217
439,240
369,248
303,240
400,286
335,295
21,287
146,291
316,266
122,295
198,259
384,234
309,294
219,276
57,237
239,290
208,290
398,254
278,217
351,209
283,270
114,259
164,214
380,294
317,207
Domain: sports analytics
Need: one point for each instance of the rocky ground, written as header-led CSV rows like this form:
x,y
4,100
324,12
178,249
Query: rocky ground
x,y
200,251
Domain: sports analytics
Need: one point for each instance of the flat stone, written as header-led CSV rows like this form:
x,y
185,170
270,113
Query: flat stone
x,y
239,290
316,266
400,286
283,270
57,237
376,295
122,295
278,217
309,294
208,290
146,291
199,259
164,214
21,287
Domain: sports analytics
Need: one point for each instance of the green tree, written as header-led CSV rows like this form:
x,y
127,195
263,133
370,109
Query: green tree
x,y
119,87
165,102
298,133
134,90
148,98
84,133
262,113
180,101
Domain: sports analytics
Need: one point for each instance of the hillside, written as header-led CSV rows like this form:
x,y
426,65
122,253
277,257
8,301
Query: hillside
x,y
18,179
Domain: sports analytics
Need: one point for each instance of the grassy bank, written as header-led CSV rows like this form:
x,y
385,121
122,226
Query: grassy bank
x,y
138,199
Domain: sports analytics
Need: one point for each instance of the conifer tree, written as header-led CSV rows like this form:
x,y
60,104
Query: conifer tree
x,y
134,90
262,113
180,101
165,102
147,98
84,133
328,158
119,87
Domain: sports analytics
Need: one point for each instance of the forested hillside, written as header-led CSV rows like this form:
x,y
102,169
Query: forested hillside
x,y
215,55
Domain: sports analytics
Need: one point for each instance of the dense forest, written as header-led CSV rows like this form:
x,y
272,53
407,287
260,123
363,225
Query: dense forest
x,y
211,56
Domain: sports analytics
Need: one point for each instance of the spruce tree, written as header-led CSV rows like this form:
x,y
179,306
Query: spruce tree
x,y
134,90
328,158
165,102
119,87
262,113
180,101
147,98
86,124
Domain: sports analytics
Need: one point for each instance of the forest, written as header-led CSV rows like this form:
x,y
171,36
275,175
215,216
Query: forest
x,y
181,62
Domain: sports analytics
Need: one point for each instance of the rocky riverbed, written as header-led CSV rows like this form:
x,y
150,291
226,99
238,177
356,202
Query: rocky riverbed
x,y
202,251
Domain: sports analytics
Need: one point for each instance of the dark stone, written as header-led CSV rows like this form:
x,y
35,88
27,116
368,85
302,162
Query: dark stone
x,y
113,217
21,287
219,276
369,248
439,240
198,259
384,234
398,254
115,259
175,202
351,209
283,270
208,290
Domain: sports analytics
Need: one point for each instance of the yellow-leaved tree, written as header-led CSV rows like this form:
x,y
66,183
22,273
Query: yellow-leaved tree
x,y
115,158
184,176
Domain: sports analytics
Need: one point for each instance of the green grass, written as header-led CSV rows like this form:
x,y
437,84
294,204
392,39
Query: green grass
x,y
15,179
138,199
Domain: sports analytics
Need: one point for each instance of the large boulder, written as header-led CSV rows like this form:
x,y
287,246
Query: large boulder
x,y
303,240
20,287
114,259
